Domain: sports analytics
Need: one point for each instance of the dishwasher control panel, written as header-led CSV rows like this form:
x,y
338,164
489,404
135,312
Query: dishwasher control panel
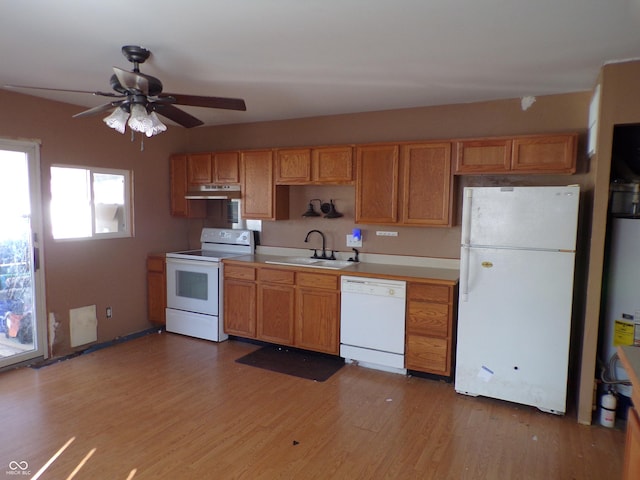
x,y
374,286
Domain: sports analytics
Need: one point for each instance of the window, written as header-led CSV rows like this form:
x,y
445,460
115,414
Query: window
x,y
90,202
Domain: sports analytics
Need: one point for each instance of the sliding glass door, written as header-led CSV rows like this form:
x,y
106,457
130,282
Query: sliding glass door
x,y
22,311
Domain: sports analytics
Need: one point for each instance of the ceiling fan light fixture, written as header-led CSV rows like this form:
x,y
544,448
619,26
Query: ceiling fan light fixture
x,y
117,120
156,125
139,120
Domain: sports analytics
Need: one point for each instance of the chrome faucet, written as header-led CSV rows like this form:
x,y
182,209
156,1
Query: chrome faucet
x,y
324,245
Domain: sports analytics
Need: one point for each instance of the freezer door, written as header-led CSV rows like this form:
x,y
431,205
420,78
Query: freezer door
x,y
521,217
514,326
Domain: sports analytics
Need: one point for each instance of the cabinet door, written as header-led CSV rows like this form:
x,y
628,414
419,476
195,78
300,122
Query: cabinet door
x,y
427,354
317,319
226,167
240,308
293,166
631,467
427,184
545,154
483,156
156,289
377,184
276,313
332,165
257,185
180,206
262,199
199,168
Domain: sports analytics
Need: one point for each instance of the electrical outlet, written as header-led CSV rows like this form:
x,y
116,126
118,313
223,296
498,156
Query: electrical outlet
x,y
109,312
381,233
353,241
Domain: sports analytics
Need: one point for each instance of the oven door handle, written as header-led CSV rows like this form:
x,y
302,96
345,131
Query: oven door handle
x,y
198,263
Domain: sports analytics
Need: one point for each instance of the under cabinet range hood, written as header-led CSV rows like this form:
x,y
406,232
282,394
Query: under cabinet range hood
x,y
212,192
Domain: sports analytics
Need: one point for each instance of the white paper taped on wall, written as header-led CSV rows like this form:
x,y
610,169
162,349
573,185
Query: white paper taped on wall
x,y
83,323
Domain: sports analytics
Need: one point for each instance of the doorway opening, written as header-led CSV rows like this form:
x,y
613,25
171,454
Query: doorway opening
x,y
22,311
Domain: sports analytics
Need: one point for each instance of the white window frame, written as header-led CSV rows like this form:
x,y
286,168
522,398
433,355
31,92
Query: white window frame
x,y
127,231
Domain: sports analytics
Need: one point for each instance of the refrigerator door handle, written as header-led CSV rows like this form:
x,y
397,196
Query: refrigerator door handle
x,y
466,216
464,273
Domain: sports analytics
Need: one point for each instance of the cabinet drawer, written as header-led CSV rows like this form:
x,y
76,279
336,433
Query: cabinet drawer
x,y
242,273
428,318
276,276
429,293
427,354
316,280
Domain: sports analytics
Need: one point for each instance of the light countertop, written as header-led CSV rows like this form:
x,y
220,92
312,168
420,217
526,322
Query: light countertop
x,y
630,358
383,270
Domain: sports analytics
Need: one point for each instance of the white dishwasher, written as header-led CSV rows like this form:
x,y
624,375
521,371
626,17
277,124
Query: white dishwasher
x,y
372,322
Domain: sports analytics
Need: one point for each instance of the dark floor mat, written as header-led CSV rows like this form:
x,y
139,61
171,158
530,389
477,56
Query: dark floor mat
x,y
299,363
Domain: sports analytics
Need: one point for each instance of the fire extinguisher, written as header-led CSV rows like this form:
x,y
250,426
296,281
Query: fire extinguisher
x,y
608,409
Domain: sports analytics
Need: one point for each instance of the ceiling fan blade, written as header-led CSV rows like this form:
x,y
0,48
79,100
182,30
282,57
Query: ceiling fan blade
x,y
132,80
103,94
179,116
208,102
98,109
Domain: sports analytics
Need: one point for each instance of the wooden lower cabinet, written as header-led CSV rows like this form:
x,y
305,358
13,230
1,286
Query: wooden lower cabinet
x,y
430,328
283,306
240,301
156,288
299,308
275,307
318,312
317,320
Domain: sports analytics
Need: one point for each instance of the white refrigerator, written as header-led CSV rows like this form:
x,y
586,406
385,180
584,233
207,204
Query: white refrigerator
x,y
516,291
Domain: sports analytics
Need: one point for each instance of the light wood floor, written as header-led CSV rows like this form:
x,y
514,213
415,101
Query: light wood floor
x,y
166,406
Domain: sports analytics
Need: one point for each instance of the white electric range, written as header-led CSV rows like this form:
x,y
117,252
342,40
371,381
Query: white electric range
x,y
194,283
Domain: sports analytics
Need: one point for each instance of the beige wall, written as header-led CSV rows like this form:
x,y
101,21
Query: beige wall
x,y
100,272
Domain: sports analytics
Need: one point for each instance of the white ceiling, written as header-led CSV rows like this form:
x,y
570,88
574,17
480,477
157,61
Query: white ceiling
x,y
301,58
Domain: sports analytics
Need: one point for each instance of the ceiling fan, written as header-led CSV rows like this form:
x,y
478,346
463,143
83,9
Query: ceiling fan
x,y
137,97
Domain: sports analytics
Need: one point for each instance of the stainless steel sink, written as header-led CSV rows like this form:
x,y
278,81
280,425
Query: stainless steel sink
x,y
312,262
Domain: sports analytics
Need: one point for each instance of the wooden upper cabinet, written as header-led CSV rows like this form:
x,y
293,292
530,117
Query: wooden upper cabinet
x,y
332,165
551,154
226,167
483,156
427,184
315,166
205,168
199,169
377,168
181,207
293,166
261,198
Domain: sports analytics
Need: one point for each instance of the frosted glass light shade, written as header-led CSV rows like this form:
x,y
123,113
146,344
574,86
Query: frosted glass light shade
x,y
117,120
156,125
139,120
